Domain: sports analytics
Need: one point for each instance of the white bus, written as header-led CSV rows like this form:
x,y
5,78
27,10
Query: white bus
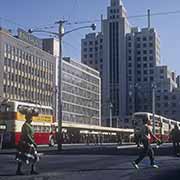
x,y
163,125
13,119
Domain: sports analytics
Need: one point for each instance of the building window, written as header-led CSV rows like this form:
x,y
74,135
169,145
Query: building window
x,y
150,44
138,59
129,38
129,65
145,65
138,39
144,39
90,49
144,52
129,44
138,72
145,58
166,97
144,45
174,97
138,45
150,51
90,43
151,78
151,58
150,38
145,79
151,71
90,55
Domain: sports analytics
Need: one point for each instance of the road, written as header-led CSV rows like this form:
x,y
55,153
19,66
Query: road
x,y
92,167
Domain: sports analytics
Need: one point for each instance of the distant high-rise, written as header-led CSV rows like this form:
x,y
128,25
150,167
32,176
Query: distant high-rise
x,y
143,55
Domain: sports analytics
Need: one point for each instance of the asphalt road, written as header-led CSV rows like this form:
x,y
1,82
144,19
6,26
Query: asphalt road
x,y
92,167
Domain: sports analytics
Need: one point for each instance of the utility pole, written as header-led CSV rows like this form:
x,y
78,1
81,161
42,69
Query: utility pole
x,y
110,113
153,105
59,104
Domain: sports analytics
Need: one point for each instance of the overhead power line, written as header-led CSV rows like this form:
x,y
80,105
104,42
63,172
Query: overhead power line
x,y
129,17
51,26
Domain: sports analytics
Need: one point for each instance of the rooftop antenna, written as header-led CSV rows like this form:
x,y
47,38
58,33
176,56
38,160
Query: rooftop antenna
x,y
149,19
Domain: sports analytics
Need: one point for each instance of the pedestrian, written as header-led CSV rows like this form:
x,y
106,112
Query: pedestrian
x,y
175,136
27,148
147,149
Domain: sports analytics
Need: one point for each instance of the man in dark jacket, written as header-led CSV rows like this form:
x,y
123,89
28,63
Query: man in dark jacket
x,y
175,136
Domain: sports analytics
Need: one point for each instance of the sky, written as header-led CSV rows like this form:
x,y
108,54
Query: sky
x,y
44,13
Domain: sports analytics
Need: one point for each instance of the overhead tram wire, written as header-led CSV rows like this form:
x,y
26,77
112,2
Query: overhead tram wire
x,y
129,17
51,26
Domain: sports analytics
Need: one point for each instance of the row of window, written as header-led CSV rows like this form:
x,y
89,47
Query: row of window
x,y
81,84
92,49
80,75
144,45
79,100
28,69
79,119
144,38
31,83
67,87
92,42
16,53
67,107
151,65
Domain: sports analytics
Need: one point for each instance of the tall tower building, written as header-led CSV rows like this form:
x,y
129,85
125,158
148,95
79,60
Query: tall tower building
x,y
114,29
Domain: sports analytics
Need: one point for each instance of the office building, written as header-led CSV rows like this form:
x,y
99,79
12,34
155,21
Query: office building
x,y
81,93
112,61
143,55
27,73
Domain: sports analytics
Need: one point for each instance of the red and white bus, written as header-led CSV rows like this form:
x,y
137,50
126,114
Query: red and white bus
x,y
163,125
13,120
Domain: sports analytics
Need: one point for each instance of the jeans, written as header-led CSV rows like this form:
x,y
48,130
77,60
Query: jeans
x,y
147,150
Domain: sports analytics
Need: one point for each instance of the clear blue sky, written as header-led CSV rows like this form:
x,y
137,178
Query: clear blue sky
x,y
35,13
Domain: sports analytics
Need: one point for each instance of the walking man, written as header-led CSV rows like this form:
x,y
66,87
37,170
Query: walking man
x,y
147,149
175,135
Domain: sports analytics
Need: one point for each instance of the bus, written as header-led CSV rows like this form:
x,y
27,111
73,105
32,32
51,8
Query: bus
x,y
163,125
73,133
11,117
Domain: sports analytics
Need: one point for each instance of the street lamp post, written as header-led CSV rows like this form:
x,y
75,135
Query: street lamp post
x,y
153,105
60,35
110,113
